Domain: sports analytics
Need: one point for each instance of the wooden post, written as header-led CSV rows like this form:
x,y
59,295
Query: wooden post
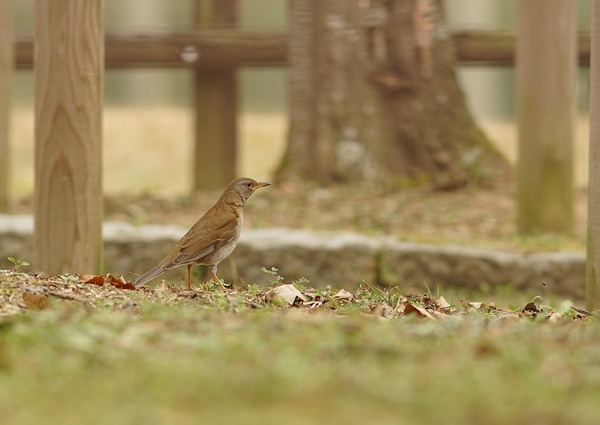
x,y
69,63
215,97
592,283
546,71
6,70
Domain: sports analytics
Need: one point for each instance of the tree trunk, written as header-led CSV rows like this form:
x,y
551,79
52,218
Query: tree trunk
x,y
374,94
592,286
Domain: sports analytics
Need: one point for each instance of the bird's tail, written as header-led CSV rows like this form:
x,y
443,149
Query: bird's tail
x,y
149,275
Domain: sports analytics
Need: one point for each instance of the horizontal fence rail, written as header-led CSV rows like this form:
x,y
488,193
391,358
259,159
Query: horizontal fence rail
x,y
202,49
217,48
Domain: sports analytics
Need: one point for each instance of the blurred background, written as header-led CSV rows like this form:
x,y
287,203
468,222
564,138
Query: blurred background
x,y
148,120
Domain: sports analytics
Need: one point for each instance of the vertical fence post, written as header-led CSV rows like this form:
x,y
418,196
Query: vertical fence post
x,y
215,97
6,70
546,71
69,67
592,284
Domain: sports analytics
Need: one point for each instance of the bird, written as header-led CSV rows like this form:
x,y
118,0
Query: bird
x,y
213,237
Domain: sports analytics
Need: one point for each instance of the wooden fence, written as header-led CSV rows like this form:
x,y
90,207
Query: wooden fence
x,y
214,53
6,71
218,48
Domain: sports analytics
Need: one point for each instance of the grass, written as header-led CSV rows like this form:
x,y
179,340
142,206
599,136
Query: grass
x,y
159,355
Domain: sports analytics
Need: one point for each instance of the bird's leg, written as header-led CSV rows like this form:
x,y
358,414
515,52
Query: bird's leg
x,y
217,280
189,270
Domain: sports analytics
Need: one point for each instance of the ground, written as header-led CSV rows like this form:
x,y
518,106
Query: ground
x,y
73,352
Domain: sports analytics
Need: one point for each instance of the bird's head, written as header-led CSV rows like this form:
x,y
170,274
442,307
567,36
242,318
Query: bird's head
x,y
245,186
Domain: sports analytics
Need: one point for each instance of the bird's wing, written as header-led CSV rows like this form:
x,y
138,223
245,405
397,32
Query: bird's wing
x,y
149,275
212,231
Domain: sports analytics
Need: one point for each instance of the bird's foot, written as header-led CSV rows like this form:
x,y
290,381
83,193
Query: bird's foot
x,y
221,283
225,287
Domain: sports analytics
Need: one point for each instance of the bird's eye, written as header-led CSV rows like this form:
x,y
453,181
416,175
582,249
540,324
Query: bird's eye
x,y
249,184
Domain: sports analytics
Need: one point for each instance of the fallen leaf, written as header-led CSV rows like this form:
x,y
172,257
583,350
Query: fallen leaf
x,y
531,308
35,301
382,309
415,309
311,293
289,293
106,279
313,304
440,315
344,295
489,307
400,307
553,317
442,303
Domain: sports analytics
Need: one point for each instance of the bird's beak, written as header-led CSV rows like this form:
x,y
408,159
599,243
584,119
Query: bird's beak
x,y
262,184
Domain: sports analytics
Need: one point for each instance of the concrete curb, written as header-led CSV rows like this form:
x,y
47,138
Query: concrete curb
x,y
337,259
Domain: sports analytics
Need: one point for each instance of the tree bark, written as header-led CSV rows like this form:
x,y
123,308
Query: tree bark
x,y
374,94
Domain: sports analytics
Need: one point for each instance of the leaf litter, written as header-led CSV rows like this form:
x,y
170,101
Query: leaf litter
x,y
21,292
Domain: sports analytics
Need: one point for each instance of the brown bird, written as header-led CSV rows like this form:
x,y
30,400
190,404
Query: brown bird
x,y
212,238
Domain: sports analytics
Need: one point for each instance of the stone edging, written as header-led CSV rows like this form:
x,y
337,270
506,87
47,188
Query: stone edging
x,y
337,259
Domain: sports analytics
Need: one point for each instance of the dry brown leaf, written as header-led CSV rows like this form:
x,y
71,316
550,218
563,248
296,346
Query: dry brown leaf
x,y
554,318
382,309
442,303
289,293
400,307
311,293
342,294
106,279
415,309
313,304
35,301
440,315
531,308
